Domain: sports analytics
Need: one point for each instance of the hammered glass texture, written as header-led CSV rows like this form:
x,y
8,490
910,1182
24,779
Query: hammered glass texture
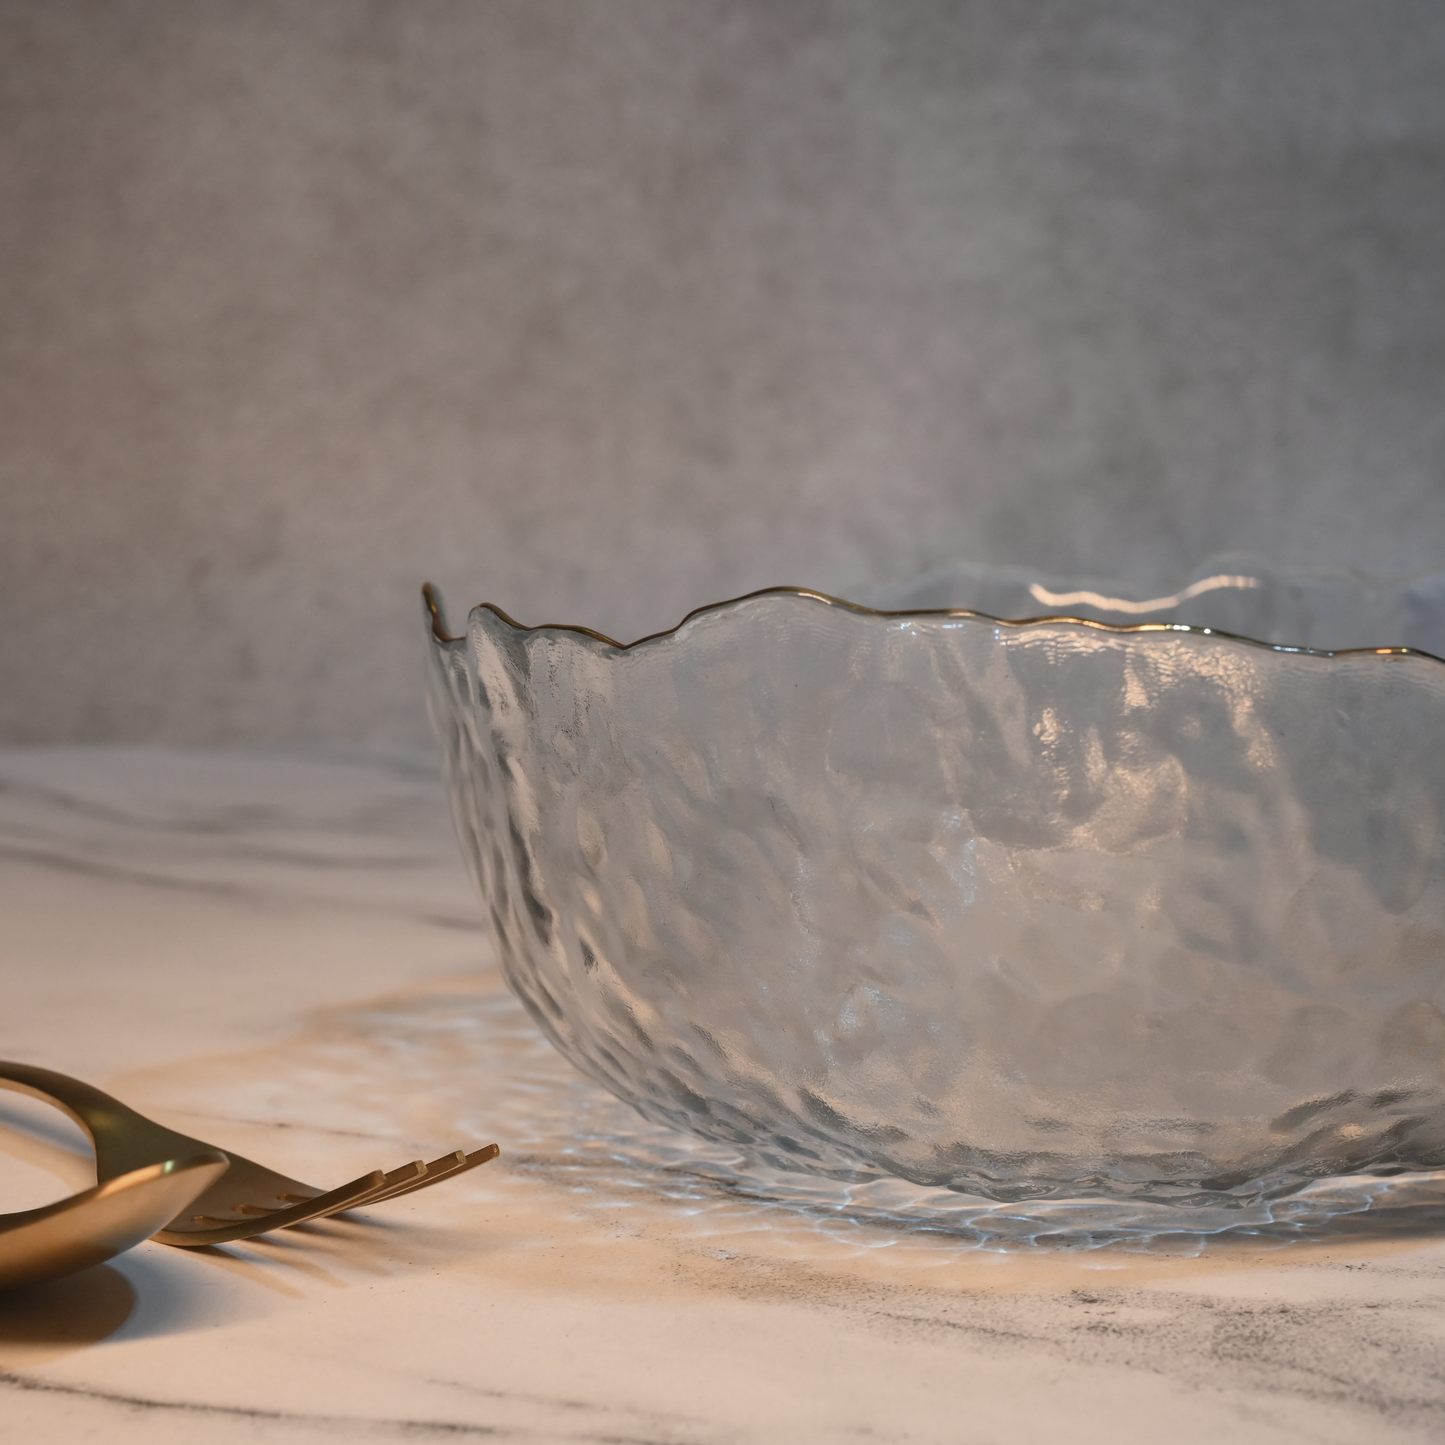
x,y
1021,910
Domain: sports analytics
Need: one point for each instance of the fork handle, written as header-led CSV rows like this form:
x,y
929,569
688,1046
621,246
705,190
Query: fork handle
x,y
123,1140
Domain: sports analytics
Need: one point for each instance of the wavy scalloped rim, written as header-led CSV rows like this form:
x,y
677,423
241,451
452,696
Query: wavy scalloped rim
x,y
437,618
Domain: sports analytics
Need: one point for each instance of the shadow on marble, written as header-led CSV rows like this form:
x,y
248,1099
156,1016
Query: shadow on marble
x,y
336,1253
42,1321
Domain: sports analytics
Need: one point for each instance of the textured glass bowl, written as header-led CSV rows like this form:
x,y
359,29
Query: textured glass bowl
x,y
1025,910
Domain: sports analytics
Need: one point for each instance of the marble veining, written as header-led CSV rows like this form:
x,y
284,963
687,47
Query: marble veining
x,y
280,950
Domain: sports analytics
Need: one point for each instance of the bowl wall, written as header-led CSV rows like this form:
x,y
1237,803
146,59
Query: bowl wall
x,y
1022,910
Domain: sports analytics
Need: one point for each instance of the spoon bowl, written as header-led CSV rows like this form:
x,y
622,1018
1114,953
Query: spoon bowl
x,y
97,1224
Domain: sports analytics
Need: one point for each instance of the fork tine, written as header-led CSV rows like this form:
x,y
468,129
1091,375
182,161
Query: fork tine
x,y
447,1167
190,1236
369,1189
360,1191
444,1169
389,1184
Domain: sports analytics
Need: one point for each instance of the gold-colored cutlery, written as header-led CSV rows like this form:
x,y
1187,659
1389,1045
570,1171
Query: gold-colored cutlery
x,y
153,1182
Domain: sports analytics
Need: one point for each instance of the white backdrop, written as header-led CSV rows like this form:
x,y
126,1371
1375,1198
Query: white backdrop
x,y
604,311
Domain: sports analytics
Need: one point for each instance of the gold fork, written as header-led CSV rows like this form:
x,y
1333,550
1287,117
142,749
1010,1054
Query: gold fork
x,y
245,1200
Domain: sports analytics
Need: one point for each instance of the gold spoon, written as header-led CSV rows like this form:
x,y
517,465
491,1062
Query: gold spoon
x,y
97,1224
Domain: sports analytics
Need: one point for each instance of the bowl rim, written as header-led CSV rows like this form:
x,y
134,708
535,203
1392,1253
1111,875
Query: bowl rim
x,y
435,616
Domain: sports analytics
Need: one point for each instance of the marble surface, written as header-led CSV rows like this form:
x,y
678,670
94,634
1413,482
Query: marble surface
x,y
278,952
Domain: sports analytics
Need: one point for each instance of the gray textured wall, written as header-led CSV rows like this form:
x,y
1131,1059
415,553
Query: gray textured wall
x,y
602,309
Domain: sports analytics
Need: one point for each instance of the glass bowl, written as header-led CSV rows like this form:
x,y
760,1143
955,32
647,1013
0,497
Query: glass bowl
x,y
1027,910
